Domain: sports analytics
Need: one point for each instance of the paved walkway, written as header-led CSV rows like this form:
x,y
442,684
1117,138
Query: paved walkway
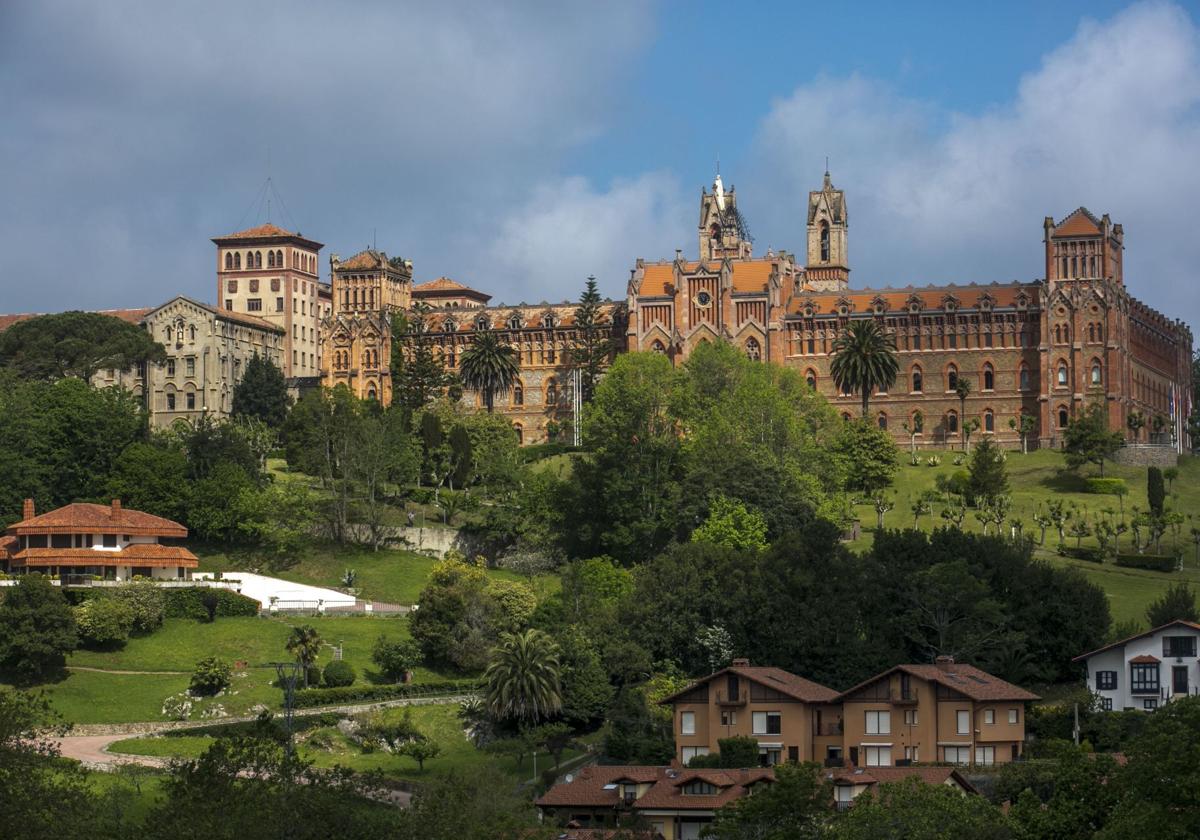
x,y
92,752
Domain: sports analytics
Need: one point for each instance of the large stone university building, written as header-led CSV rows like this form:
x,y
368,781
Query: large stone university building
x,y
1042,348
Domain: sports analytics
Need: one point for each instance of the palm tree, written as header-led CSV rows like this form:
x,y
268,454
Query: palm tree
x,y
522,679
488,366
304,643
864,360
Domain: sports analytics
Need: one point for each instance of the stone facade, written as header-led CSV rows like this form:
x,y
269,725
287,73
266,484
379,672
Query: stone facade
x,y
1042,348
271,273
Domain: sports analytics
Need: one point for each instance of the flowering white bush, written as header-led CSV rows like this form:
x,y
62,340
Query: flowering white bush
x,y
177,706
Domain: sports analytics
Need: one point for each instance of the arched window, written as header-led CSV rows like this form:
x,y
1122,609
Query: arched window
x,y
551,392
1097,372
1063,417
918,379
882,420
258,259
270,259
1062,375
548,322
228,261
811,378
237,260
989,377
448,325
1099,332
518,397
753,351
279,259
846,416
514,322
657,347
482,323
989,421
192,332
952,422
824,241
520,434
918,422
1057,334
951,378
1091,332
371,392
1023,378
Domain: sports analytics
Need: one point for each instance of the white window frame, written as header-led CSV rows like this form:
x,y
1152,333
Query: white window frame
x,y
910,717
687,723
878,722
985,756
874,756
989,716
912,754
1014,716
957,758
760,723
960,727
686,754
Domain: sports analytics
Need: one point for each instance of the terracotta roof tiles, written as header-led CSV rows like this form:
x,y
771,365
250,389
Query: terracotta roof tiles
x,y
588,788
778,679
368,259
965,679
1081,222
886,775
139,554
1145,659
259,232
81,517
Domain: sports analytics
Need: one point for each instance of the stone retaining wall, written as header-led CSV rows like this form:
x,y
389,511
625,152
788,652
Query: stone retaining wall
x,y
1147,455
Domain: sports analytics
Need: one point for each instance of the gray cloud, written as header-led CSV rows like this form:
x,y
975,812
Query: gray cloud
x,y
1110,120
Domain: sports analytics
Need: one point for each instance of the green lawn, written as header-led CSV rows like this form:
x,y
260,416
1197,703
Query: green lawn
x,y
439,722
1034,480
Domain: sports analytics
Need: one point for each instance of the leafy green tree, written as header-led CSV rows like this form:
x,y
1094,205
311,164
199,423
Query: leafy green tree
x,y
585,689
152,478
339,673
953,612
523,677
146,601
869,456
962,389
864,360
912,808
216,503
262,392
514,600
277,521
1135,421
1087,439
1178,602
480,805
103,622
210,676
635,734
395,659
37,628
732,525
77,344
1024,425
418,376
989,477
1068,796
304,644
461,460
798,805
594,347
420,751
489,366
1156,493
211,444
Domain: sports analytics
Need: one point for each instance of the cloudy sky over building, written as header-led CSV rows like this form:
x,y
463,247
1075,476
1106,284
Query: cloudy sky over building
x,y
521,147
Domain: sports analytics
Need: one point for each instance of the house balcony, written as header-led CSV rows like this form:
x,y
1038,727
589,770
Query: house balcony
x,y
903,698
727,700
827,729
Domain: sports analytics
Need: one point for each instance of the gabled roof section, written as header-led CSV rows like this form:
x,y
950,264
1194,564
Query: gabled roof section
x,y
368,259
888,775
1179,622
97,519
777,679
224,314
965,679
1081,222
446,287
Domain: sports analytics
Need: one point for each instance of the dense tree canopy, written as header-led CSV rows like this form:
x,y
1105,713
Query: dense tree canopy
x,y
262,392
77,344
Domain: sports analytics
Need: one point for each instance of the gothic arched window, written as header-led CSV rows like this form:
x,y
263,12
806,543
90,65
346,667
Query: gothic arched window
x,y
514,322
811,378
1097,372
1063,417
918,422
951,378
518,397
952,422
270,259
258,259
548,322
482,323
228,261
657,347
824,241
1023,378
918,379
753,350
989,421
882,421
551,393
1062,375
989,377
237,260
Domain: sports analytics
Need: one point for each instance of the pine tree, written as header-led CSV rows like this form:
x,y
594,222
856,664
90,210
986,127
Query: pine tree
x,y
262,393
594,347
421,378
987,471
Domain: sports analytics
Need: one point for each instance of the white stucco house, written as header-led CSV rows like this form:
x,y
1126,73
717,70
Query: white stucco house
x,y
1147,670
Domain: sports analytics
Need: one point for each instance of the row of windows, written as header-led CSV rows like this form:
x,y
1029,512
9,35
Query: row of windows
x,y
811,344
341,359
1062,333
254,259
305,288
514,322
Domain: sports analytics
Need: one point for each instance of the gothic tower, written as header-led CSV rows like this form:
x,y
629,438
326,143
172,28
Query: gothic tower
x,y
723,232
828,267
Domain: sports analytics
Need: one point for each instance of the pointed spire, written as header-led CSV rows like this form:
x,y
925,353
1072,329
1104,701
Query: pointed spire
x,y
828,181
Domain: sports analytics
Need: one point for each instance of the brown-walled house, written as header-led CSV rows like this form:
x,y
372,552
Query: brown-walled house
x,y
107,541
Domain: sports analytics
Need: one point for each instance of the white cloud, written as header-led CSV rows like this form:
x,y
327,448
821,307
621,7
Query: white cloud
x,y
1110,120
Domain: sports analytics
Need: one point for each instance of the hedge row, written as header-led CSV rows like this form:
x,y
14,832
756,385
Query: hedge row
x,y
1107,486
1092,555
189,603
309,697
1153,562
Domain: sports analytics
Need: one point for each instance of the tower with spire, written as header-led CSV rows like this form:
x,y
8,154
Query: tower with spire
x,y
828,267
722,231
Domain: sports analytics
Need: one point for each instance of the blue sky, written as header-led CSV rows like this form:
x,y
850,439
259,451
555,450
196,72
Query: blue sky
x,y
521,147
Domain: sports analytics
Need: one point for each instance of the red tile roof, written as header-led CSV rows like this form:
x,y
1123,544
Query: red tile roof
x,y
85,518
134,554
965,679
1079,223
367,259
1179,622
1145,659
445,287
778,679
587,789
886,775
259,232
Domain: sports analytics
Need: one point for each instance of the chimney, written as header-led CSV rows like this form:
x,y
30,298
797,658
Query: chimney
x,y
28,511
944,663
678,254
741,663
116,508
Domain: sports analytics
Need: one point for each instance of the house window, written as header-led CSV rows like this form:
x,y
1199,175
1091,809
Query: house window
x,y
1062,375
687,723
1014,716
1179,646
228,303
278,304
686,754
254,305
879,723
811,379
766,723
989,716
190,365
916,341
728,718
769,756
191,401
753,350
1106,680
109,540
989,421
953,340
912,754
910,717
1063,418
882,421
1097,374
878,756
699,788
964,723
1150,704
518,395
170,367
1143,678
1106,704
952,422
957,755
985,755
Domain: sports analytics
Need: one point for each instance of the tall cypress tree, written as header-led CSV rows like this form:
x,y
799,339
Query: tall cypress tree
x,y
1156,494
262,393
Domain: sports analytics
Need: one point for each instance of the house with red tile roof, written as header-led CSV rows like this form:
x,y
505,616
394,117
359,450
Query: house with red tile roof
x,y
1146,670
849,783
108,542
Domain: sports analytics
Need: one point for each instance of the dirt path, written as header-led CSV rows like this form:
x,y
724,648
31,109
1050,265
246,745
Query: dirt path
x,y
116,671
92,751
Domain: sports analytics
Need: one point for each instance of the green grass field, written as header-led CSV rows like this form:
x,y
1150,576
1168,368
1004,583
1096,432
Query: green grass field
x,y
1034,480
438,722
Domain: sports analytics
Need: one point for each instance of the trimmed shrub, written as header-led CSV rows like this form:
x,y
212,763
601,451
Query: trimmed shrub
x,y
211,675
1153,562
339,673
1107,486
1156,493
103,621
190,603
309,697
148,602
1092,555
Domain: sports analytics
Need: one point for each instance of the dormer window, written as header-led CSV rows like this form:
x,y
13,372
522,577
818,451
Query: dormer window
x,y
699,787
448,325
514,322
482,323
548,322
